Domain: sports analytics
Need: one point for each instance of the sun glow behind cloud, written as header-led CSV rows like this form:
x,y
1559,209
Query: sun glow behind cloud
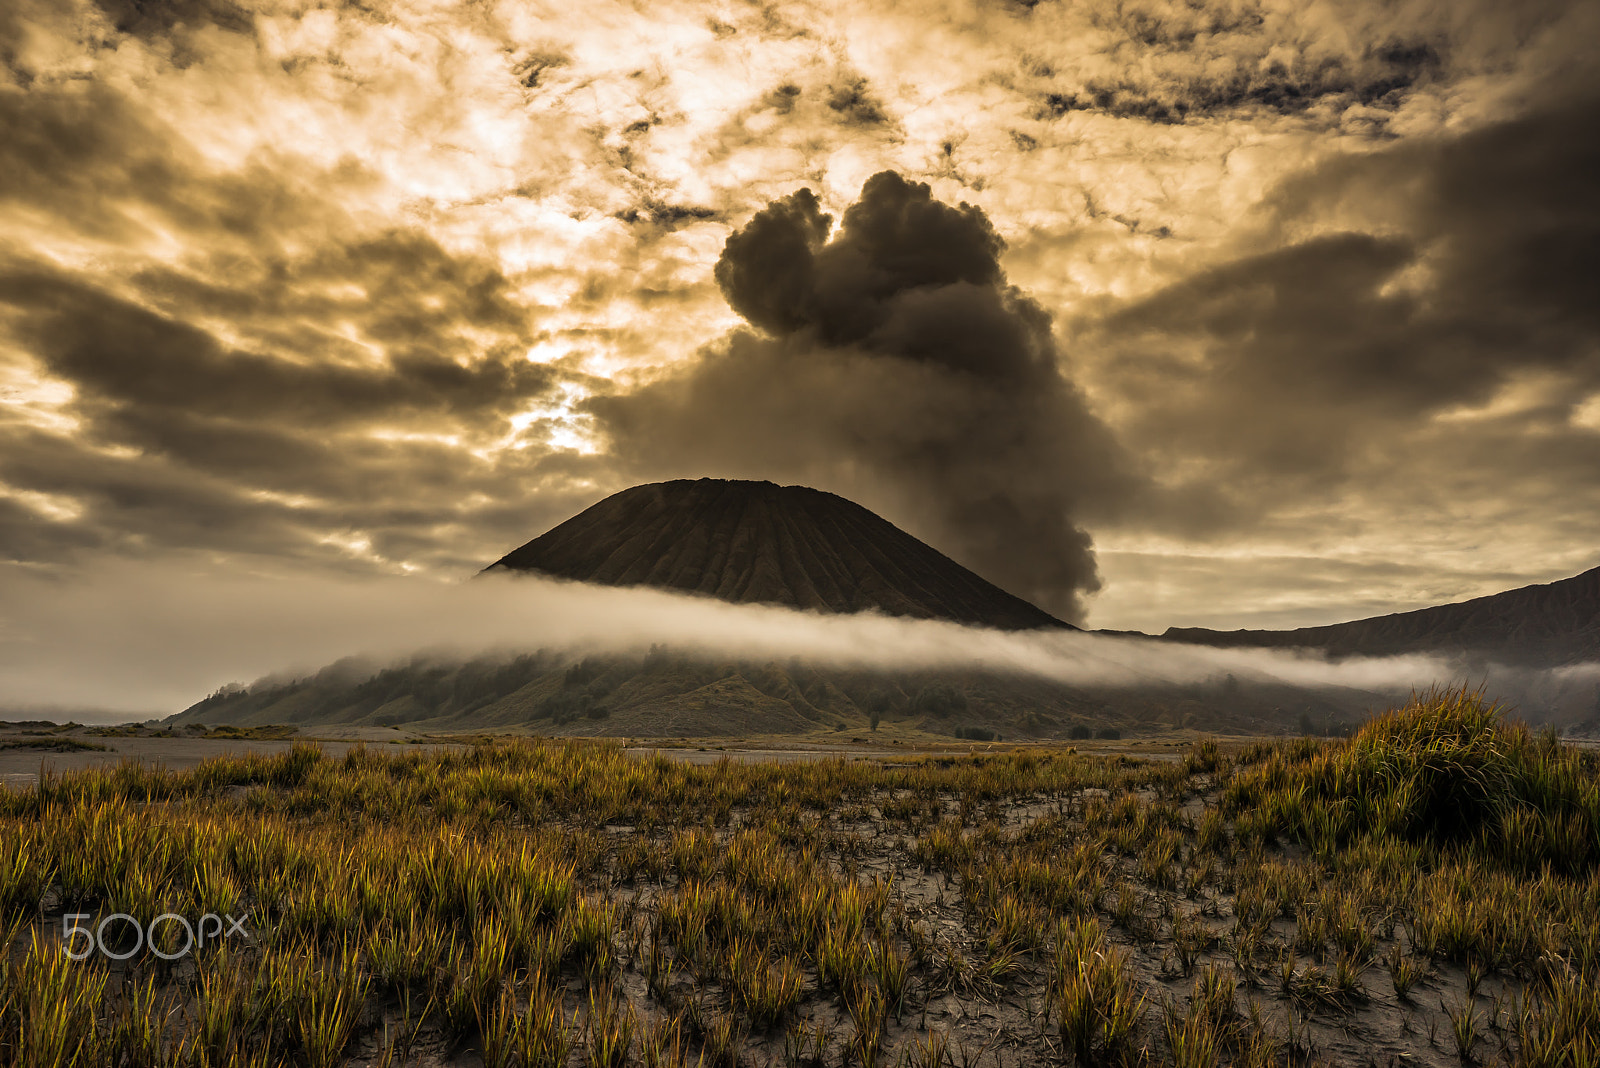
x,y
558,425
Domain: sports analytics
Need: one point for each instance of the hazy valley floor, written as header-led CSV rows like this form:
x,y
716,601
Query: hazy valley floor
x,y
26,750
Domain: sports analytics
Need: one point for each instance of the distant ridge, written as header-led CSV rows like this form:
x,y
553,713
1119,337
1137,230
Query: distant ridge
x,y
760,543
1551,624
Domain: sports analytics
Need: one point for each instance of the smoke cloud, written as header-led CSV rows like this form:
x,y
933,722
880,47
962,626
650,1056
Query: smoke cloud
x,y
897,366
154,638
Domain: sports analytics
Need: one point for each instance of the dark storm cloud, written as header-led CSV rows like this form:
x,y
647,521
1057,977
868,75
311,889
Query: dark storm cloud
x,y
211,426
1517,209
24,537
1476,265
197,483
151,18
1277,87
130,503
107,170
657,214
10,38
1345,61
852,99
63,149
767,271
900,365
124,354
295,380
1244,68
402,289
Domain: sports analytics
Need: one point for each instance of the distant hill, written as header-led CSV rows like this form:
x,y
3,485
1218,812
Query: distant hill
x,y
760,543
1549,625
669,694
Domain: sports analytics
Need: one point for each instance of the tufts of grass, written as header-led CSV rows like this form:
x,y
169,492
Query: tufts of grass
x,y
1404,971
661,1044
24,875
49,1005
1192,1038
329,1001
1448,770
1191,938
1464,1027
1213,993
933,1051
55,745
869,1012
1091,991
139,1032
1558,1023
721,1041
765,991
609,1029
891,970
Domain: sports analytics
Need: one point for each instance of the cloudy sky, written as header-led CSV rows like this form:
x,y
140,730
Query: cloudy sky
x,y
1210,312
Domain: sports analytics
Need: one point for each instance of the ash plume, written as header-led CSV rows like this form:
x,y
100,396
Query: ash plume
x,y
891,360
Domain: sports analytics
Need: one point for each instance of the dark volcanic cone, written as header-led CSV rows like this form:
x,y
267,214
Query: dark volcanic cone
x,y
756,542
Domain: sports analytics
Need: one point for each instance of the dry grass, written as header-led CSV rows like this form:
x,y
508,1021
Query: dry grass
x,y
540,903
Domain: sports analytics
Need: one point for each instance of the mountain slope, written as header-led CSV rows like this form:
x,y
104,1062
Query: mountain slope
x,y
756,542
671,694
1552,624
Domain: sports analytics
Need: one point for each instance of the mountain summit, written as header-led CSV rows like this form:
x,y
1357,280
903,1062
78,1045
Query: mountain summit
x,y
760,543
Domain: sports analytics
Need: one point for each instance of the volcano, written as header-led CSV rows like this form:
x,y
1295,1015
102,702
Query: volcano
x,y
757,543
761,543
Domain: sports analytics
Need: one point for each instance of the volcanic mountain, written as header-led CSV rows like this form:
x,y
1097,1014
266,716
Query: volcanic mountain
x,y
1549,625
756,542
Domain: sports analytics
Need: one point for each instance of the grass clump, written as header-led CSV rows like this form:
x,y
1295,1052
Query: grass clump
x,y
1449,771
55,745
1093,994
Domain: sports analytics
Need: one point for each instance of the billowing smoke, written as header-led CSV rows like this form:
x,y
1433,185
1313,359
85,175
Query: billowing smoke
x,y
153,638
896,366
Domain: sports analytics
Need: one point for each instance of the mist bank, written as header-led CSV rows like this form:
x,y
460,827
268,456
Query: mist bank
x,y
130,638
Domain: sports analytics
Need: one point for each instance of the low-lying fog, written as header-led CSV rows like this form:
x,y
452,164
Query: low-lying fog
x,y
144,639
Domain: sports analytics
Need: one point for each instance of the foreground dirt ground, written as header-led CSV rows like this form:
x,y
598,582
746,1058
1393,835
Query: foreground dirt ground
x,y
1422,894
